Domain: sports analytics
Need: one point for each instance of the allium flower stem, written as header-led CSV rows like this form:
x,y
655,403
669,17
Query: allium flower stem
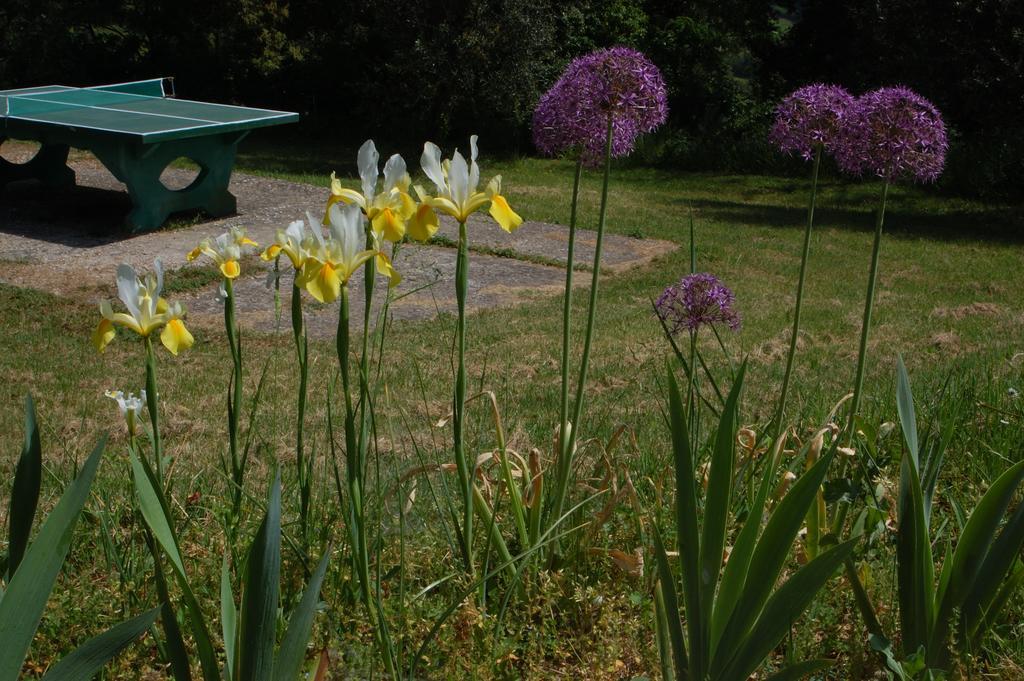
x,y
565,456
691,391
869,304
459,402
685,363
567,308
725,353
781,411
693,244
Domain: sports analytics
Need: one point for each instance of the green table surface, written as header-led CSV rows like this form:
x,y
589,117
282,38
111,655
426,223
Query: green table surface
x,y
136,110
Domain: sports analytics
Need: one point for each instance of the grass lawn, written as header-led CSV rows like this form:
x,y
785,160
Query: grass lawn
x,y
950,301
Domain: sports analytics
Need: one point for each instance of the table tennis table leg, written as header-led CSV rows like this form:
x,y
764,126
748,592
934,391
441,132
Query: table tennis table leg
x,y
140,167
49,166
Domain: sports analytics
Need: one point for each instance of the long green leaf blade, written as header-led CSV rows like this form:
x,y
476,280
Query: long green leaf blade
x,y
260,596
947,564
687,532
156,514
970,551
782,610
174,643
25,598
292,654
666,653
25,492
738,567
90,657
905,407
770,555
1009,587
716,504
914,563
993,571
204,645
228,619
668,591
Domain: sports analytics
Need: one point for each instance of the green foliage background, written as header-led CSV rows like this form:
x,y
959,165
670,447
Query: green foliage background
x,y
445,68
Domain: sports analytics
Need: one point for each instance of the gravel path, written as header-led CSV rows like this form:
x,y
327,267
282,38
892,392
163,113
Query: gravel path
x,y
69,242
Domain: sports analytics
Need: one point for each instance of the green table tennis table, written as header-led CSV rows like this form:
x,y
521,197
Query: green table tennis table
x,y
136,130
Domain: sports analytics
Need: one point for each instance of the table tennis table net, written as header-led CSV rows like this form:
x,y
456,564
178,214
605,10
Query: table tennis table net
x,y
155,87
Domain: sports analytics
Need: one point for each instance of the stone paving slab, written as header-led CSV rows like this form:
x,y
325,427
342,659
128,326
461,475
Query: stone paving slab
x,y
70,240
427,289
551,243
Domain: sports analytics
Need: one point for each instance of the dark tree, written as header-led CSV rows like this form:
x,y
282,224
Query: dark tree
x,y
967,57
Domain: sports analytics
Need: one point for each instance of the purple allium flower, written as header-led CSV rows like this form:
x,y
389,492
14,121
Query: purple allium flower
x,y
617,82
809,116
894,133
697,300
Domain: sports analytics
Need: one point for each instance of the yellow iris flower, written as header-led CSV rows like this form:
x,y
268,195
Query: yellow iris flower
x,y
423,223
332,261
147,311
457,182
295,242
387,211
225,250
